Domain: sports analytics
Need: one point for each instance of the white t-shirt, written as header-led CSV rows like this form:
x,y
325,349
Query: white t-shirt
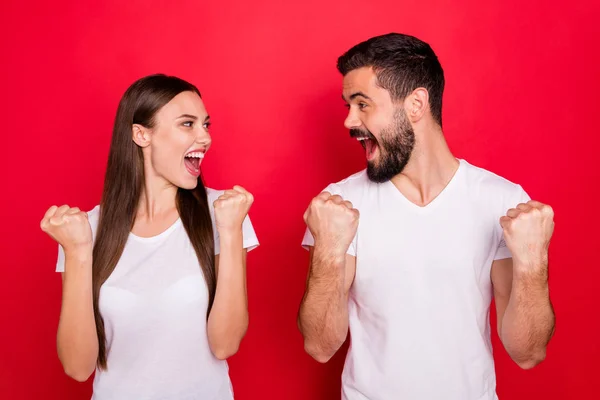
x,y
154,308
419,305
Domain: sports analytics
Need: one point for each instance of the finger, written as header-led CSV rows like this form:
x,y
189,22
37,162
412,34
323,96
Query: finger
x,y
56,220
505,222
336,199
231,192
536,204
222,199
50,212
72,211
513,213
348,204
61,210
46,220
524,207
547,210
240,189
324,195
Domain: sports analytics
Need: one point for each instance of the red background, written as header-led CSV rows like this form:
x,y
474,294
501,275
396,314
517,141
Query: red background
x,y
521,96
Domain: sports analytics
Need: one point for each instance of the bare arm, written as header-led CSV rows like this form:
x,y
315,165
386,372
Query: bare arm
x,y
524,311
228,320
323,315
77,341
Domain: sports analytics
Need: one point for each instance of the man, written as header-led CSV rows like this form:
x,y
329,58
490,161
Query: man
x,y
413,276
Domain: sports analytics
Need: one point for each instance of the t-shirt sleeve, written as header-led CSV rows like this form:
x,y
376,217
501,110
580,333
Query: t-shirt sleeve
x,y
249,238
60,262
249,241
520,196
309,240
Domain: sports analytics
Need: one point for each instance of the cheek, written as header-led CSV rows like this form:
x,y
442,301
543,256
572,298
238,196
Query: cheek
x,y
169,147
374,122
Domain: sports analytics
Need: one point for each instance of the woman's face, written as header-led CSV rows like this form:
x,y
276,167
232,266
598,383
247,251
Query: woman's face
x,y
175,147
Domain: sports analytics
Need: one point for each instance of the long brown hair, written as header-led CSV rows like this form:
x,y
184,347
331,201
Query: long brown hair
x,y
123,185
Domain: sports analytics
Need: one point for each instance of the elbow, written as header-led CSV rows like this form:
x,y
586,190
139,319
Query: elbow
x,y
318,352
78,370
225,342
227,346
223,352
532,361
320,356
79,374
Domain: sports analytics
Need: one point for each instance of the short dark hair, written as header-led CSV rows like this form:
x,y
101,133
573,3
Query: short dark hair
x,y
402,63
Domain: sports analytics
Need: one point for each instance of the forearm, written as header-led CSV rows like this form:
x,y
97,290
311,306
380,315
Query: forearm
x,y
77,340
323,315
228,320
528,323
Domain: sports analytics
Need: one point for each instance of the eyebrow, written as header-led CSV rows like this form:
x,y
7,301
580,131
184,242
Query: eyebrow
x,y
190,116
355,95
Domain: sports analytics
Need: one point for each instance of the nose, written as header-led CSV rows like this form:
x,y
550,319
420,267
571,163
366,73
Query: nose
x,y
202,136
352,121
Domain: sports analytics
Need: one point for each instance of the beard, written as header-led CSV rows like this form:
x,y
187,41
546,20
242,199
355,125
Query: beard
x,y
396,144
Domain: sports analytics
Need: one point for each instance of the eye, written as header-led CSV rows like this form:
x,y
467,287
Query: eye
x,y
188,124
206,125
362,105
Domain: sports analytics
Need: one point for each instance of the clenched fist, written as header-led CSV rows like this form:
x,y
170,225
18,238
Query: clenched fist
x,y
231,208
527,232
332,221
68,226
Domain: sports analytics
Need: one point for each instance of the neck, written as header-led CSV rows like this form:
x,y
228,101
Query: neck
x,y
431,165
158,197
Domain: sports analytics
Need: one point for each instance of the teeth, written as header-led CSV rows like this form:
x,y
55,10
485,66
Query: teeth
x,y
361,138
196,154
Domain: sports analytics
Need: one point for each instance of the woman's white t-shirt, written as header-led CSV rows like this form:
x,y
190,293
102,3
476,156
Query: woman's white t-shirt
x,y
154,309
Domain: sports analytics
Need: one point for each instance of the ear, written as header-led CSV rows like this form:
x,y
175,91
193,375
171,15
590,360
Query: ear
x,y
416,104
140,135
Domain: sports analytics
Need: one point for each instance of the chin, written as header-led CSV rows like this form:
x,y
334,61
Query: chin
x,y
189,183
190,186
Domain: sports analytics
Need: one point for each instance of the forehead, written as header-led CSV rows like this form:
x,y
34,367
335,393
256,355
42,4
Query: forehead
x,y
362,80
184,103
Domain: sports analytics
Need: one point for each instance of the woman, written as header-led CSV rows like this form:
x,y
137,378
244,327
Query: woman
x,y
154,277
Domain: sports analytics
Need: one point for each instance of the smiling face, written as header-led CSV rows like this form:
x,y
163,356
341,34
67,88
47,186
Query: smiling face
x,y
380,124
176,144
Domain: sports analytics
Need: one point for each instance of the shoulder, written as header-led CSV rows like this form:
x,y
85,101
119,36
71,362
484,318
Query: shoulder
x,y
491,187
351,186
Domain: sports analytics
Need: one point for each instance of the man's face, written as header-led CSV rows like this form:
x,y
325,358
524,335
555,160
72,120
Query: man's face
x,y
379,123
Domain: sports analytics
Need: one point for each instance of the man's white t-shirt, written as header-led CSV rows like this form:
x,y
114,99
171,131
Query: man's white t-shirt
x,y
419,304
154,309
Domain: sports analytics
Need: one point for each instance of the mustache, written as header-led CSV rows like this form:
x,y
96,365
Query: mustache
x,y
359,133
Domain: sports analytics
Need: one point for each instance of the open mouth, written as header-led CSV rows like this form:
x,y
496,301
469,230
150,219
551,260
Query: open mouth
x,y
192,160
369,144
